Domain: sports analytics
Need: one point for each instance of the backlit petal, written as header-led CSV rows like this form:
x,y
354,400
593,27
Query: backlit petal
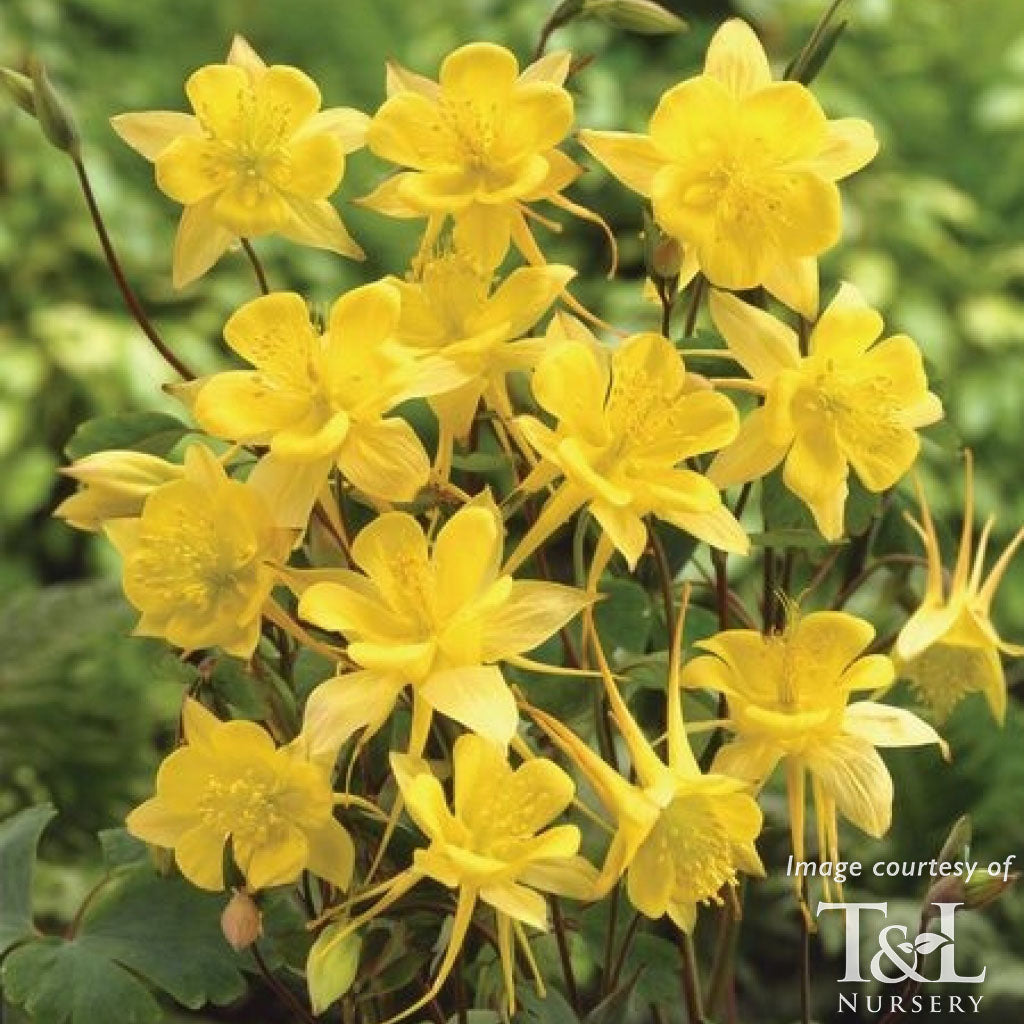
x,y
331,853
477,697
385,459
633,159
198,244
533,612
152,132
851,771
340,707
736,58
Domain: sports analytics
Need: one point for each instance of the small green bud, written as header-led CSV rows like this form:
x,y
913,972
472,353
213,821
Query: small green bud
x,y
53,113
19,87
984,888
643,16
332,964
957,842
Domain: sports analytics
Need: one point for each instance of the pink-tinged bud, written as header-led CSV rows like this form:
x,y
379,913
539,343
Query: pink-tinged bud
x,y
667,258
241,922
984,888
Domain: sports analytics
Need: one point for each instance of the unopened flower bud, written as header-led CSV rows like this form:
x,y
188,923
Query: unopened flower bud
x,y
643,16
332,965
984,888
241,922
19,87
667,258
53,113
957,842
114,486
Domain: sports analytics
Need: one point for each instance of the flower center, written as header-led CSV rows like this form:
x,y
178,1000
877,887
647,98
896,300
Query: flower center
x,y
243,804
470,129
692,843
455,290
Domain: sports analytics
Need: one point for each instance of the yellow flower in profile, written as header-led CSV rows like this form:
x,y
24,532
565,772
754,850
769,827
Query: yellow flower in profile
x,y
625,424
851,401
949,646
788,696
450,310
198,563
479,147
681,836
230,782
743,170
493,848
436,617
320,399
114,485
258,157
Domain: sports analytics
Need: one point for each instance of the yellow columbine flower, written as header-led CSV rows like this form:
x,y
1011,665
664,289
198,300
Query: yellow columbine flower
x,y
949,646
787,695
258,157
480,147
436,617
680,835
229,781
852,401
742,170
449,310
490,849
198,562
114,485
625,424
320,400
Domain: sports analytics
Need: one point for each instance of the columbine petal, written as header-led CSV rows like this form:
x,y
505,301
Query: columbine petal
x,y
763,345
198,244
850,770
533,612
151,133
385,459
633,159
749,457
331,853
850,143
737,59
477,697
340,707
883,725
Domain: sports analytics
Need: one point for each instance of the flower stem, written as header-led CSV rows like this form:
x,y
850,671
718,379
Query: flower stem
x,y
561,939
695,300
131,300
691,981
609,941
261,276
281,991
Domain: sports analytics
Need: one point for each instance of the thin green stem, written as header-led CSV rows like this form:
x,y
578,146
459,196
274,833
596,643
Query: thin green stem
x,y
691,981
261,276
627,942
694,309
131,300
280,990
564,954
609,941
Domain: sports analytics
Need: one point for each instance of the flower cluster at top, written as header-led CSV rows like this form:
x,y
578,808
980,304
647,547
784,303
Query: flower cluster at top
x,y
309,514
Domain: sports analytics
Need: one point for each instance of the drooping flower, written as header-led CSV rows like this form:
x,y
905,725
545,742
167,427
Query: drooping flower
x,y
949,646
479,147
494,847
450,311
851,401
257,157
321,399
198,563
626,423
231,782
437,617
743,170
114,485
680,835
788,699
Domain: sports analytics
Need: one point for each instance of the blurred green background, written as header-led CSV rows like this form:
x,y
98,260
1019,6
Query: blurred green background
x,y
934,235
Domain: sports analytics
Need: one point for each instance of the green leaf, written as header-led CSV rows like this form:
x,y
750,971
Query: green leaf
x,y
862,506
153,432
233,683
121,849
789,538
781,508
71,983
160,930
481,462
624,617
19,837
332,965
614,1008
549,1009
